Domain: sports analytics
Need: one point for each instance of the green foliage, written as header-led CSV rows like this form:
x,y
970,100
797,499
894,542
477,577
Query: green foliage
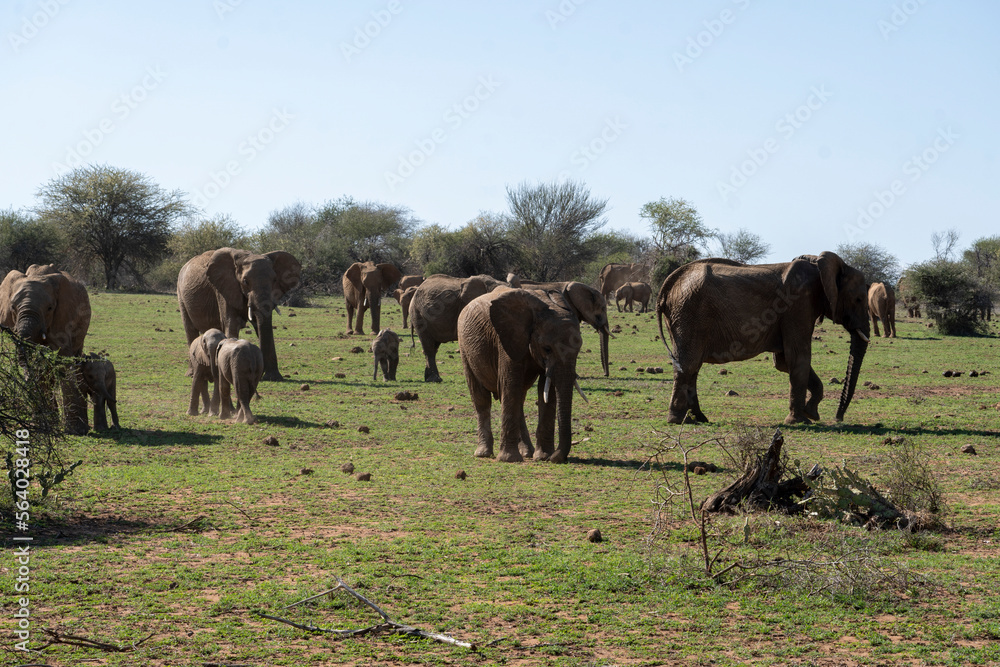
x,y
743,246
483,246
878,264
950,294
114,216
191,239
26,240
677,227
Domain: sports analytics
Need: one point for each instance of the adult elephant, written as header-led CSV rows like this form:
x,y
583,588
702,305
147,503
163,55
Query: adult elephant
x,y
583,301
718,311
50,307
613,276
882,306
434,311
410,281
364,283
404,297
508,339
224,288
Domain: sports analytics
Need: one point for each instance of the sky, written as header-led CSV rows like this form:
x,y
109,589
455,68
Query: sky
x,y
812,124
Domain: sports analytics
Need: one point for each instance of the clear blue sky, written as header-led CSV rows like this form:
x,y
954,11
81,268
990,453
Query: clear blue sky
x,y
787,118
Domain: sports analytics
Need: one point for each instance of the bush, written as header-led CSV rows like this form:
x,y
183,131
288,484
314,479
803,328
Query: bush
x,y
950,295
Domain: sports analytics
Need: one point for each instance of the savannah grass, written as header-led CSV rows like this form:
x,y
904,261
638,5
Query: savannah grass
x,y
499,559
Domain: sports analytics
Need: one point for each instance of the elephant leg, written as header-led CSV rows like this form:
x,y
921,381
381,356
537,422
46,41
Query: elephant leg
x,y
100,413
815,395
113,406
875,325
430,353
350,316
511,419
359,327
393,364
225,398
481,400
214,407
524,446
800,377
545,433
684,398
196,394
891,321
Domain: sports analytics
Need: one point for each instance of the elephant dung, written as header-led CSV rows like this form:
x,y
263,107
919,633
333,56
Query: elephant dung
x,y
356,350
347,468
407,396
731,393
969,449
340,376
306,471
693,466
271,441
363,477
460,474
594,535
304,387
364,429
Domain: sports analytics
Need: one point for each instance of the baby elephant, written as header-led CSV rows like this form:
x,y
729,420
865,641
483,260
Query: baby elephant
x,y
204,370
241,366
99,383
385,347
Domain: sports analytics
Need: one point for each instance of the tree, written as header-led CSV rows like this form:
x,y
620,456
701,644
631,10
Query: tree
x,y
983,258
944,243
193,238
950,294
26,240
877,263
550,223
370,231
679,234
116,216
743,246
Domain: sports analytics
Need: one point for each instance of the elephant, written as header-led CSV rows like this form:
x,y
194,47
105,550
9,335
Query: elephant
x,y
508,339
364,284
613,276
385,348
983,301
434,312
404,297
241,366
202,354
222,289
410,281
719,311
585,302
882,306
632,292
99,382
912,306
51,308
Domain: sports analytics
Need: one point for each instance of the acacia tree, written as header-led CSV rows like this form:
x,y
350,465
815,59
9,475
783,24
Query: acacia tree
x,y
878,264
743,246
679,234
550,224
119,217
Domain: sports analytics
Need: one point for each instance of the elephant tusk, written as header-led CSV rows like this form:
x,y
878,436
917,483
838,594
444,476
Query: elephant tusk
x,y
276,309
250,313
576,383
863,337
548,383
44,336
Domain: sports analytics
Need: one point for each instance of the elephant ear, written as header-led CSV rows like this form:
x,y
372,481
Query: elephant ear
x,y
512,315
287,271
831,267
71,317
390,274
7,313
472,288
353,275
585,301
221,273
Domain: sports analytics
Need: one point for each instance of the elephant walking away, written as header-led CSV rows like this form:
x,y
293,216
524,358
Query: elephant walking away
x,y
223,289
882,306
364,283
404,297
718,311
613,276
509,339
434,311
204,365
100,383
385,349
241,366
51,308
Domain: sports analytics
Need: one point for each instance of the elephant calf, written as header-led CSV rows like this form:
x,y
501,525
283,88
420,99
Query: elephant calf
x,y
204,370
385,347
99,382
241,366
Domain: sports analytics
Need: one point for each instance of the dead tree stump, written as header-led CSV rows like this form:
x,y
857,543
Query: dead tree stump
x,y
760,486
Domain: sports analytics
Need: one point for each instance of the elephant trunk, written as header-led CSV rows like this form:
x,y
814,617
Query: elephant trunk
x,y
31,327
605,362
858,348
564,406
266,333
375,304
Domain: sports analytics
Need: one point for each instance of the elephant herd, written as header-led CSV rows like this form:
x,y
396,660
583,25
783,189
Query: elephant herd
x,y
511,334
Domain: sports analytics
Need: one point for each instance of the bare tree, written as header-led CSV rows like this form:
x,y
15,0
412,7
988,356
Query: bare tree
x,y
944,243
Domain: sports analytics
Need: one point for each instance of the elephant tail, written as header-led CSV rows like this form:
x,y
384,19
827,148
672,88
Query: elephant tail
x,y
660,316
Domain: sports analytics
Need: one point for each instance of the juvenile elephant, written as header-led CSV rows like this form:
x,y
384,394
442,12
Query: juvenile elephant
x,y
508,339
100,384
613,276
385,348
434,311
410,281
224,288
204,365
585,302
51,308
241,366
404,297
882,306
718,311
363,285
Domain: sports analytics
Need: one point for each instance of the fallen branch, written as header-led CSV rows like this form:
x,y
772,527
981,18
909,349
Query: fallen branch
x,y
75,640
387,627
189,524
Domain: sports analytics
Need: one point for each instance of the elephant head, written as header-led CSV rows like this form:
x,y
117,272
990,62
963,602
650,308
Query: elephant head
x,y
592,308
623,293
252,285
364,284
846,303
47,307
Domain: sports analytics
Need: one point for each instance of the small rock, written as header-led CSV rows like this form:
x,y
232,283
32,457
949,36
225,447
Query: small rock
x,y
460,474
306,471
271,441
333,423
364,429
640,370
969,449
731,393
874,387
621,393
588,350
363,477
347,468
658,369
291,345
594,535
304,387
956,374
867,383
923,372
693,466
356,350
291,314
617,329
623,368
